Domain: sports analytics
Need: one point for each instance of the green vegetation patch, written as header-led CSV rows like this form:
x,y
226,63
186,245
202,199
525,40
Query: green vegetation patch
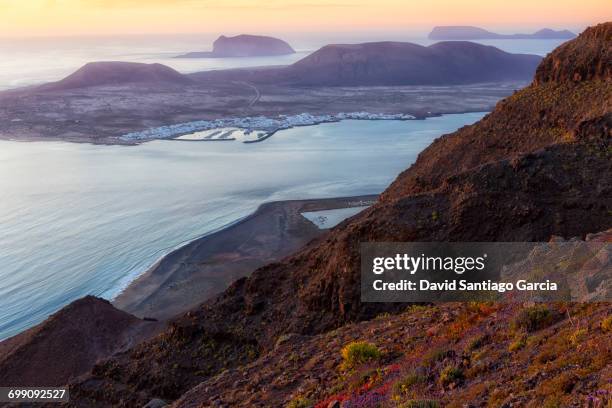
x,y
420,404
606,324
518,344
402,387
451,374
299,402
535,318
477,342
359,352
436,355
578,336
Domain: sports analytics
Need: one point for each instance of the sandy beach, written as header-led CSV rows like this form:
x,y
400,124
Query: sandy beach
x,y
197,271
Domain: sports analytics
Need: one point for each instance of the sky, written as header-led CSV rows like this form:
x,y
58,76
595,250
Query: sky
x,y
25,18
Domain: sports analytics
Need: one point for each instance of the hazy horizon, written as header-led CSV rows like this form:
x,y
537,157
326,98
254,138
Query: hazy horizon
x,y
291,18
305,37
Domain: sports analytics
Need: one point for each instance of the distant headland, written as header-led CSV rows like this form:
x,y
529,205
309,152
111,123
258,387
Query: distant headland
x,y
389,63
105,102
109,73
477,33
244,45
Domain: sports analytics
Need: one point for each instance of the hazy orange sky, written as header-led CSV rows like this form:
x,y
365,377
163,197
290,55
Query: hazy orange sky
x,y
93,17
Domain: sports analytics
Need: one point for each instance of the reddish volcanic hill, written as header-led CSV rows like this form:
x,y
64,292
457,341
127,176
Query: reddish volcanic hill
x,y
118,73
68,343
574,61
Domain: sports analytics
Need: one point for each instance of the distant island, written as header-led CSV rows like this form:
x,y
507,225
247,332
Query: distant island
x,y
367,64
244,45
108,73
477,33
390,63
105,102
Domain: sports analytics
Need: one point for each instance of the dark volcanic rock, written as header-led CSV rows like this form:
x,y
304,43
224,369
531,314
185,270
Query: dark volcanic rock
x,y
586,60
312,372
118,73
393,63
477,33
68,343
244,45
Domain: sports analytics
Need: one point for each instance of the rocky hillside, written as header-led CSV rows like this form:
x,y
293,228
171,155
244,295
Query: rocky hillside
x,y
118,73
539,165
486,354
393,63
453,355
579,61
69,342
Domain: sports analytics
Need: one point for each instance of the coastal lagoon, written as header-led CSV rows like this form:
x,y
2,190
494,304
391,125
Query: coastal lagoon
x,y
78,219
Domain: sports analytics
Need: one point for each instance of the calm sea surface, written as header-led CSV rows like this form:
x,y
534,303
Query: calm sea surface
x,y
78,219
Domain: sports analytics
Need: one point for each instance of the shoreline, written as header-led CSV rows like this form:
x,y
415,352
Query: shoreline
x,y
118,141
205,266
24,118
262,126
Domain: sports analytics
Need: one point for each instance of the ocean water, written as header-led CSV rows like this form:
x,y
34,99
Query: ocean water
x,y
37,60
78,219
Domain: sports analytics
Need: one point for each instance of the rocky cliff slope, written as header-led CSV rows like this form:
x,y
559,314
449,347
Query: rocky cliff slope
x,y
68,343
452,355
